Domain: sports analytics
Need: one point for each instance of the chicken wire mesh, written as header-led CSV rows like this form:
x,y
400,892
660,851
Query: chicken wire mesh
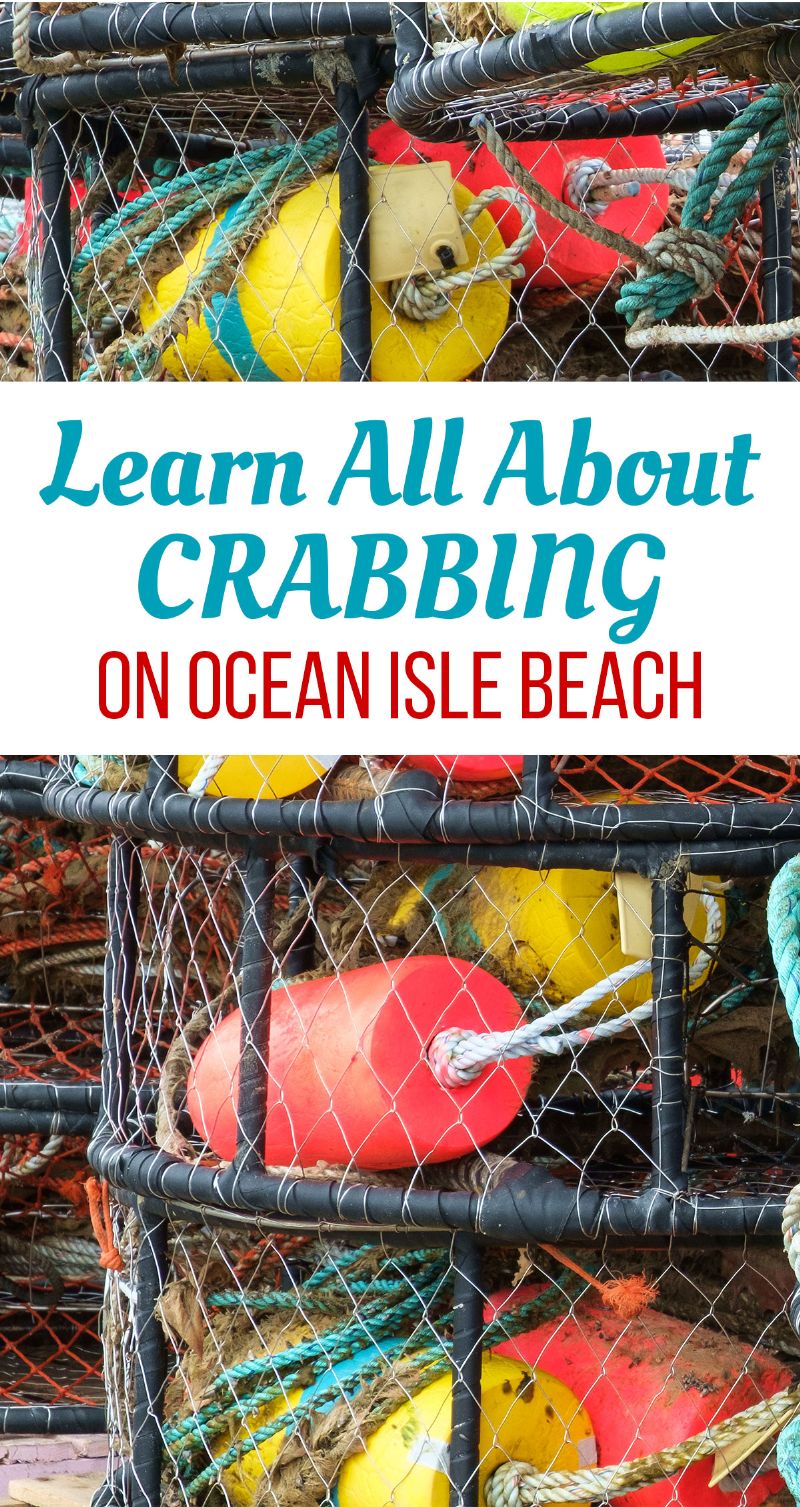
x,y
298,1366
257,212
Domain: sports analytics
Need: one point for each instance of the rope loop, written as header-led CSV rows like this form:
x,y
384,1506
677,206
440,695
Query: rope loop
x,y
424,296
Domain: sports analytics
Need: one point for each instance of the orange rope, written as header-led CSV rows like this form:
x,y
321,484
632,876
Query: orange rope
x,y
77,931
100,1215
625,1296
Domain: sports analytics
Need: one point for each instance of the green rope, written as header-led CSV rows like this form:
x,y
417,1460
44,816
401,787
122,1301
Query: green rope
x,y
654,296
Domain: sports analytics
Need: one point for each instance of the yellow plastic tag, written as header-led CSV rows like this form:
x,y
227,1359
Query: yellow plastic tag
x,y
414,225
634,898
727,1461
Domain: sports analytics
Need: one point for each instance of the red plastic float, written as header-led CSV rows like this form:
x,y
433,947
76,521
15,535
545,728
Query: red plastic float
x,y
348,1077
467,767
649,1384
557,255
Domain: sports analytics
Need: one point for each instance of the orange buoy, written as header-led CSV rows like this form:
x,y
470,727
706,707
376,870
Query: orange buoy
x,y
650,1384
468,768
557,256
348,1075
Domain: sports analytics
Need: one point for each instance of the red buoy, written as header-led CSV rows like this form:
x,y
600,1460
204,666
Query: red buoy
x,y
557,256
650,1384
469,768
348,1076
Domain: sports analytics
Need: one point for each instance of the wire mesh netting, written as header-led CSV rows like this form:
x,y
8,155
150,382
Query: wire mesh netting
x,y
241,213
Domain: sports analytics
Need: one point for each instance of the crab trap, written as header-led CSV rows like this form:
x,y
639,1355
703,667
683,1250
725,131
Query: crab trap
x,y
448,1113
440,192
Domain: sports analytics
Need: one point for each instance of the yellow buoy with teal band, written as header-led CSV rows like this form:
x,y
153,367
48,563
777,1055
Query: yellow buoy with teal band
x,y
280,319
526,1415
253,777
516,14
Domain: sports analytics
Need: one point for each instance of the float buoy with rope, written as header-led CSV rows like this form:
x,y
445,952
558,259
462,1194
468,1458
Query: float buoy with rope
x,y
355,1072
621,185
280,319
651,1384
524,1413
554,930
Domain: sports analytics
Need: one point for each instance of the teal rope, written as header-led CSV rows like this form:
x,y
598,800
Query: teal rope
x,y
783,926
655,296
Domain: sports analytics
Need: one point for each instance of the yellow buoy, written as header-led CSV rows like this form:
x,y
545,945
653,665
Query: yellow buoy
x,y
515,14
554,929
280,320
243,1479
525,1415
255,777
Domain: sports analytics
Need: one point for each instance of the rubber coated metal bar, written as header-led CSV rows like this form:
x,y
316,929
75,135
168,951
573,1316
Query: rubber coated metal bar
x,y
669,958
199,74
110,29
150,1362
777,274
257,959
356,295
120,981
468,1303
55,232
526,1203
64,1418
421,89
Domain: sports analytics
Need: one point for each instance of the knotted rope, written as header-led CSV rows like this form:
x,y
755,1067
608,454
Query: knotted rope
x,y
457,1057
783,926
426,296
519,1485
685,261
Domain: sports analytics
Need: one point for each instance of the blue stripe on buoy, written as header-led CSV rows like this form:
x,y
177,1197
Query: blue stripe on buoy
x,y
228,329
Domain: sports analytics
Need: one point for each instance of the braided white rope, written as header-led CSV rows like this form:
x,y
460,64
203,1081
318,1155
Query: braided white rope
x,y
208,771
423,296
590,176
642,336
32,1164
21,45
520,1485
457,1057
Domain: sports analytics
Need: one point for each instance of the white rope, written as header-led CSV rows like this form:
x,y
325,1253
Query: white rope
x,y
459,1056
208,771
424,296
518,1484
644,337
592,185
33,1164
21,45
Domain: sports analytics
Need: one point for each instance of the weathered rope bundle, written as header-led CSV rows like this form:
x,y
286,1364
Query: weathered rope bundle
x,y
459,1056
380,1323
519,1485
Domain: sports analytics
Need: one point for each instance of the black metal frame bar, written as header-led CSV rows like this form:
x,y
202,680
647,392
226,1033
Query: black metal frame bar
x,y
425,85
777,274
